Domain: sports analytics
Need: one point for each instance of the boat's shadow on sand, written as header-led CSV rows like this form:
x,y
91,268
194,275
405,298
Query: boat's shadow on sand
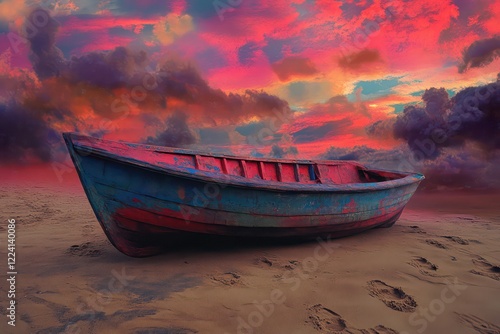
x,y
213,243
193,245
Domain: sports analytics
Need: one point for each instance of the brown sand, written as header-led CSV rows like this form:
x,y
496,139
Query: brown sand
x,y
435,271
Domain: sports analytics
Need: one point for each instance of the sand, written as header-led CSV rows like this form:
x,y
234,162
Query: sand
x,y
435,271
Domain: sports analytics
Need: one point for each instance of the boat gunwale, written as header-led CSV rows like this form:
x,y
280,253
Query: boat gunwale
x,y
240,181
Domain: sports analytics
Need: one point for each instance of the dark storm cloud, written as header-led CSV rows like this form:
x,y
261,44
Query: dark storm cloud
x,y
471,116
97,80
123,67
475,116
454,142
381,129
480,53
416,124
175,134
462,169
173,79
113,69
24,135
41,29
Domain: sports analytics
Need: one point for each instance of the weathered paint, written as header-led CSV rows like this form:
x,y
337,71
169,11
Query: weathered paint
x,y
144,194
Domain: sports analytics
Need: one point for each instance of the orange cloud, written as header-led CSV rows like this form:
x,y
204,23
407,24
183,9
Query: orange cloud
x,y
293,67
172,26
11,9
358,60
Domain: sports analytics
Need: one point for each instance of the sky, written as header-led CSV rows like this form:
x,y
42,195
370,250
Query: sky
x,y
407,85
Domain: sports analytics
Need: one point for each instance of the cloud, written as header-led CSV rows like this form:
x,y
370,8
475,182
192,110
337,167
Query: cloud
x,y
472,115
25,136
10,9
462,169
214,136
358,60
456,142
453,169
47,59
292,67
281,152
175,134
381,158
172,26
141,97
475,116
417,124
170,82
112,69
480,53
314,133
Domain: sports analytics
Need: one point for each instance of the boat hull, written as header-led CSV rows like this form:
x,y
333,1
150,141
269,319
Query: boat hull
x,y
142,211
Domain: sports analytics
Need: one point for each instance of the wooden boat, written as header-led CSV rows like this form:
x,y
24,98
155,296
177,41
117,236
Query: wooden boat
x,y
142,194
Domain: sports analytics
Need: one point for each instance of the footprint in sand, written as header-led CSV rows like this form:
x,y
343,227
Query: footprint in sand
x,y
85,249
424,266
325,320
436,243
413,229
484,268
392,297
228,278
478,324
458,240
265,261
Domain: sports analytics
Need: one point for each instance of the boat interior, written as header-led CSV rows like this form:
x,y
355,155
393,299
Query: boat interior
x,y
266,169
307,172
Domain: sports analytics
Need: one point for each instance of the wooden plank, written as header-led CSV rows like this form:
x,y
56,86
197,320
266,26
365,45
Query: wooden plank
x,y
317,172
262,171
312,174
197,161
296,172
224,165
279,171
244,171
